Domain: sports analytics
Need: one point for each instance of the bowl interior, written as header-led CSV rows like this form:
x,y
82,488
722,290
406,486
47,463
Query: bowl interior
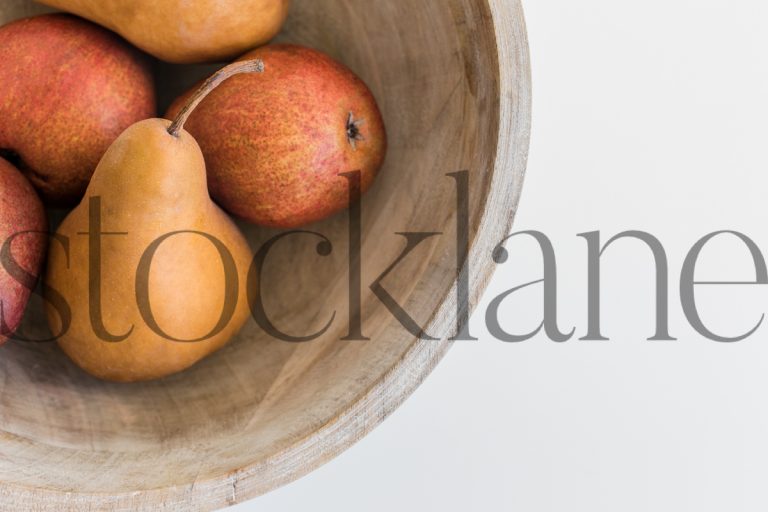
x,y
433,66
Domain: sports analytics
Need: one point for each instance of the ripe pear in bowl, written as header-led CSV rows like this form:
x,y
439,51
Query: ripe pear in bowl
x,y
276,144
23,237
155,274
184,32
69,88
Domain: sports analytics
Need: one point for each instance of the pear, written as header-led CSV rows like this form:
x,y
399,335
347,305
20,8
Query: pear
x,y
155,273
69,88
183,31
23,229
276,146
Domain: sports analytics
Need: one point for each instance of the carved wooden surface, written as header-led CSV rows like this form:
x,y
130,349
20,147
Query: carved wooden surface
x,y
452,78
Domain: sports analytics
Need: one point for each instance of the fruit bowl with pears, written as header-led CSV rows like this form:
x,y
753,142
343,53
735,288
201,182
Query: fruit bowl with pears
x,y
236,235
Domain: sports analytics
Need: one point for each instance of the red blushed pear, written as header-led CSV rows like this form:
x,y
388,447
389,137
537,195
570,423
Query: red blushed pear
x,y
68,88
22,245
276,144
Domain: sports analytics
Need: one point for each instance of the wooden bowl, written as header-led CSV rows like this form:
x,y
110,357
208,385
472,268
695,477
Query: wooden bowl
x,y
452,79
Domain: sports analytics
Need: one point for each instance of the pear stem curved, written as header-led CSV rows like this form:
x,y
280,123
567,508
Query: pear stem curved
x,y
247,66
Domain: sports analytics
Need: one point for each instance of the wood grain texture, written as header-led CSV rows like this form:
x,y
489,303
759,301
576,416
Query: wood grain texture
x,y
452,78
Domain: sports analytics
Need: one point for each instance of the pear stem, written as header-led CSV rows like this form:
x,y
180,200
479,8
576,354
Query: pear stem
x,y
247,66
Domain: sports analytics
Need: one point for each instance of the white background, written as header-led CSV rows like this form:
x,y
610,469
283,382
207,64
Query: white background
x,y
648,115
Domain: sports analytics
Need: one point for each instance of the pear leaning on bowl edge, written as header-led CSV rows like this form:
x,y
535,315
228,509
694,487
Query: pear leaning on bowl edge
x,y
164,285
279,147
186,32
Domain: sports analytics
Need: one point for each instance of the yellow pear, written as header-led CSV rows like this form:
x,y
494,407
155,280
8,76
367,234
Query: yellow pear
x,y
184,31
147,275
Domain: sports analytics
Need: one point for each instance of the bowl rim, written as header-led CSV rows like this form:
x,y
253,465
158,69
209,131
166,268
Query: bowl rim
x,y
386,394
